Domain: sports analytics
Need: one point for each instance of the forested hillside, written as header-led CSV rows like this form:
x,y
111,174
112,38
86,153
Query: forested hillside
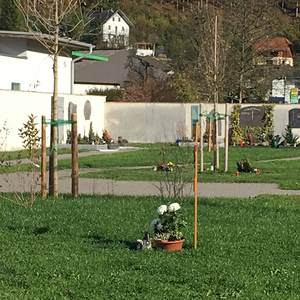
x,y
185,30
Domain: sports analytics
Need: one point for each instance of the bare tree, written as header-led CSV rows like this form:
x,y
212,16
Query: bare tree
x,y
49,20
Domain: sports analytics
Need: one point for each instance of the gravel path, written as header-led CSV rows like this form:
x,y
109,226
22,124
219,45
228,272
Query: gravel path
x,y
20,182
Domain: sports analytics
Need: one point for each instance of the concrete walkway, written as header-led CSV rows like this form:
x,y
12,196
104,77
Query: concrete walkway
x,y
80,154
20,182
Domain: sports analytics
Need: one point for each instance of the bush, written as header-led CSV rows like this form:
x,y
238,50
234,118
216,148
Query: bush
x,y
111,95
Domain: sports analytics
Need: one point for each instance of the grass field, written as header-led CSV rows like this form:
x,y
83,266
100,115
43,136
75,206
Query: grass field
x,y
284,173
113,165
67,249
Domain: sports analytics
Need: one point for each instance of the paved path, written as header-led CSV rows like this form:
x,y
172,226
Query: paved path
x,y
19,182
80,154
280,159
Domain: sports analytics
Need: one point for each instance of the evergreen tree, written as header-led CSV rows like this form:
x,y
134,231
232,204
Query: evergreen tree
x,y
10,18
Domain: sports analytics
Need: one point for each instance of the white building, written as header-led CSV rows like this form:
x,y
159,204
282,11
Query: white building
x,y
27,66
115,27
145,49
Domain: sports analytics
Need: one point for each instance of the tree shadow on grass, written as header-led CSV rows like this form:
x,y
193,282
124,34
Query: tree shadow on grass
x,y
29,230
104,242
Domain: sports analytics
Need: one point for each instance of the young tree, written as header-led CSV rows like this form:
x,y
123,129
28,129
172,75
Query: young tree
x,y
210,51
49,20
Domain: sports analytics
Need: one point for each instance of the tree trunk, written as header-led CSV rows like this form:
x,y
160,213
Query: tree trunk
x,y
241,89
53,176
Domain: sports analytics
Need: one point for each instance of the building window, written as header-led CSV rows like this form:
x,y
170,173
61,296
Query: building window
x,y
113,19
116,30
119,19
15,86
109,27
123,29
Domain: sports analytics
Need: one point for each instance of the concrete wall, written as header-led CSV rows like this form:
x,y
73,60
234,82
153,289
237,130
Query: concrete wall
x,y
164,122
147,122
137,122
26,63
16,106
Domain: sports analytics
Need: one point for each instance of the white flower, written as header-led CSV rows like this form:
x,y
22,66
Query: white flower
x,y
162,209
173,207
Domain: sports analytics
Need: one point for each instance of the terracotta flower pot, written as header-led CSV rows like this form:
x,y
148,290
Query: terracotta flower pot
x,y
169,246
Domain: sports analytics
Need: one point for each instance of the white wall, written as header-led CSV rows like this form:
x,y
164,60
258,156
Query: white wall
x,y
24,62
111,24
147,122
82,89
144,52
165,122
16,106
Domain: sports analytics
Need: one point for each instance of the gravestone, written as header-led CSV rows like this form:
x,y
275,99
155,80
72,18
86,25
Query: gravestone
x,y
294,118
87,110
71,109
252,116
60,116
195,118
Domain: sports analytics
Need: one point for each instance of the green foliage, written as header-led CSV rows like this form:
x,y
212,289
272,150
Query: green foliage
x,y
80,249
186,89
289,137
10,18
237,134
169,224
30,138
268,128
111,95
31,142
245,166
91,134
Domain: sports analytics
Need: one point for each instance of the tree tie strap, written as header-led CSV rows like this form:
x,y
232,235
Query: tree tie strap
x,y
59,122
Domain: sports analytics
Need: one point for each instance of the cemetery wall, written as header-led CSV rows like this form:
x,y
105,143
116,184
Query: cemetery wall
x,y
165,122
16,106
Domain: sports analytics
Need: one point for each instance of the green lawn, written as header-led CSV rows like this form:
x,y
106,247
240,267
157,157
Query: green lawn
x,y
67,249
284,173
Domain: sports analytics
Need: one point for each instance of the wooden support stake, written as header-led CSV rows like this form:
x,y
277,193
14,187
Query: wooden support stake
x,y
217,150
43,160
226,138
75,173
196,188
201,145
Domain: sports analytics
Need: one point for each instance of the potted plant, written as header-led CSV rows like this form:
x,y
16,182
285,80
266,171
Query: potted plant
x,y
167,228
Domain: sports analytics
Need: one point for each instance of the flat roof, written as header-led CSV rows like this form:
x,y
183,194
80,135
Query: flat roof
x,y
32,36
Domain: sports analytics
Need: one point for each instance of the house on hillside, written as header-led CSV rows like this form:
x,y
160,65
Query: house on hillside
x,y
123,67
275,51
27,66
114,27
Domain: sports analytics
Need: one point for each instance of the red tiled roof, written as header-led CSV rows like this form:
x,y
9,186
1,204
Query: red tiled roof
x,y
276,44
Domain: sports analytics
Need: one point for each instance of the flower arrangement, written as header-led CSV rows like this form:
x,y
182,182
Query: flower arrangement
x,y
166,167
169,223
244,166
